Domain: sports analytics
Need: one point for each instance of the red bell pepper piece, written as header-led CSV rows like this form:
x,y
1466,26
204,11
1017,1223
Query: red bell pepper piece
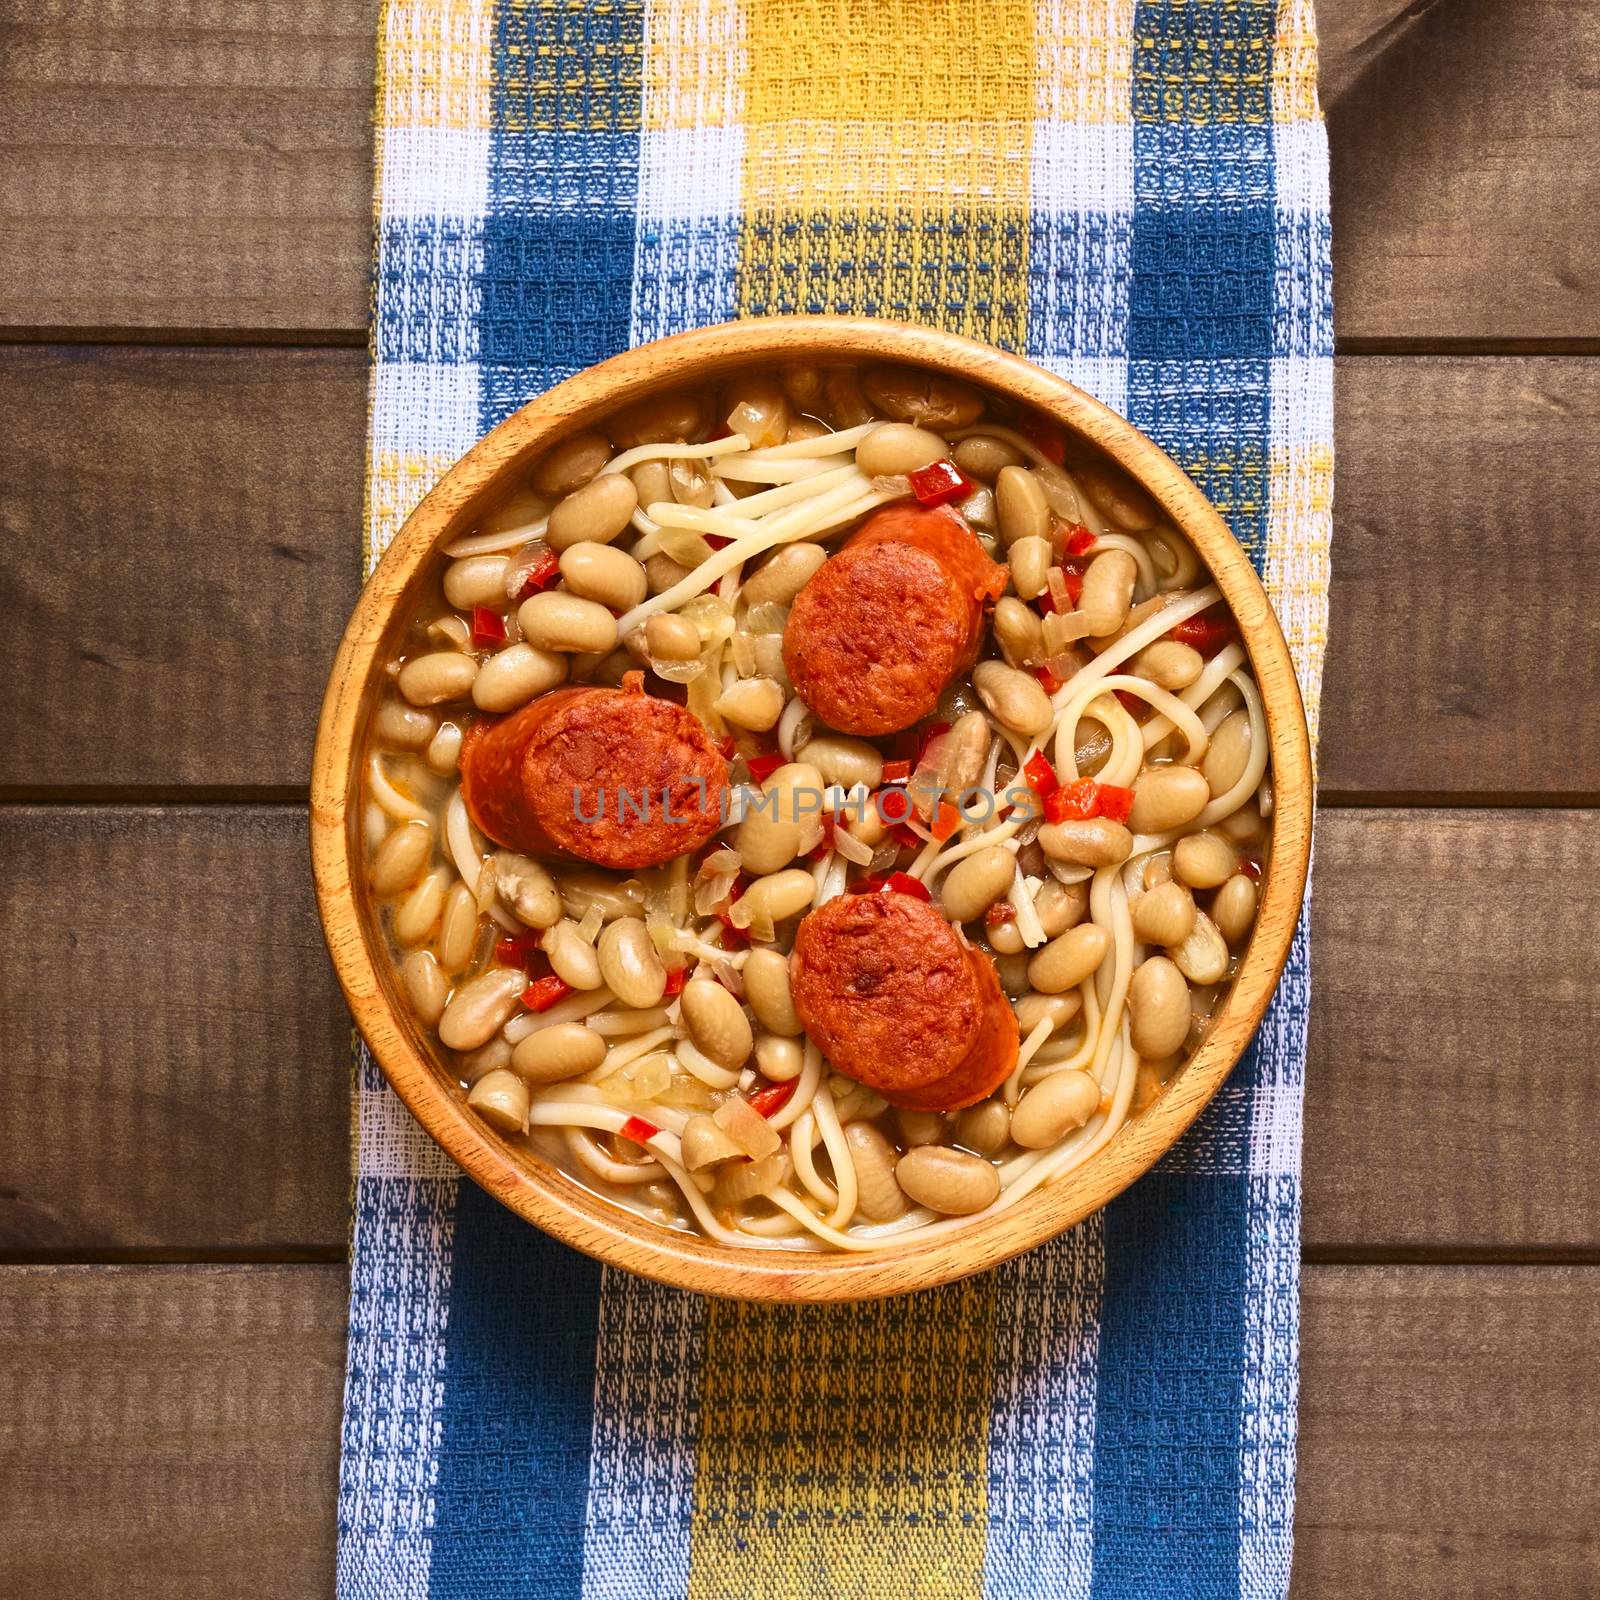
x,y
488,627
773,1098
870,885
904,883
676,981
543,993
1045,436
732,938
1075,801
946,819
1209,632
762,767
1079,539
640,1131
717,541
894,805
1114,801
1051,679
1130,701
826,842
939,482
1001,911
518,951
933,731
1037,770
896,771
541,575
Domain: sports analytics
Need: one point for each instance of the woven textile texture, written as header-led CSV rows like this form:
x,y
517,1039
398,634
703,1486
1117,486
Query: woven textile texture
x,y
1134,196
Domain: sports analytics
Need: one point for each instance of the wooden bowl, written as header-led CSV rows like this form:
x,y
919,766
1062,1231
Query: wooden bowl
x,y
532,1187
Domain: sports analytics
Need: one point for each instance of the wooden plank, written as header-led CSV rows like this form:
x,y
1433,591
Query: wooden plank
x,y
1462,522
1447,1425
183,536
186,164
170,1431
1465,174
1455,1004
177,1056
176,1066
173,1431
262,450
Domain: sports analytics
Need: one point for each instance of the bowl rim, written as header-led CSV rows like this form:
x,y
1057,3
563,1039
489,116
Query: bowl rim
x,y
532,1187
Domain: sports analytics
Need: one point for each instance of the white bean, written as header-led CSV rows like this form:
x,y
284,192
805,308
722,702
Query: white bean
x,y
1108,591
1021,506
458,931
564,1050
784,575
975,884
1228,753
1158,1008
1203,957
948,1181
572,463
717,1023
1053,1107
766,987
572,958
782,1060
419,911
1204,860
754,703
401,858
513,676
780,894
403,727
441,675
1060,1009
478,1008
476,581
1068,959
985,1127
501,1098
1234,908
669,637
771,833
426,986
1163,915
1086,842
1167,797
604,573
527,889
557,620
1030,559
878,1192
1015,698
596,513
844,761
630,964
898,447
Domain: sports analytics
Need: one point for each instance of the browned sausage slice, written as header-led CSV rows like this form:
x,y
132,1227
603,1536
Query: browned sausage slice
x,y
612,776
896,999
885,624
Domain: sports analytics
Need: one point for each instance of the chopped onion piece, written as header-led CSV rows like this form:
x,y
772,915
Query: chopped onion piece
x,y
744,653
851,848
794,727
729,976
1028,923
1056,580
1066,872
1062,630
683,545
748,1129
712,889
452,629
589,927
767,617
678,671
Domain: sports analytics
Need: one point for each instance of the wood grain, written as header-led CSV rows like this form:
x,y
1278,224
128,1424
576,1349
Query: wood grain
x,y
1455,1004
186,164
173,1432
269,443
1447,1420
175,589
1455,1008
170,1431
1464,645
1465,172
176,1056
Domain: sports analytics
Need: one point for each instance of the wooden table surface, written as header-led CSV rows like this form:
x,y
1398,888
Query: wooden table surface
x,y
184,216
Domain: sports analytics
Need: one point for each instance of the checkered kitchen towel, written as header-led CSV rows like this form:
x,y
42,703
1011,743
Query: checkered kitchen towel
x,y
1134,196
